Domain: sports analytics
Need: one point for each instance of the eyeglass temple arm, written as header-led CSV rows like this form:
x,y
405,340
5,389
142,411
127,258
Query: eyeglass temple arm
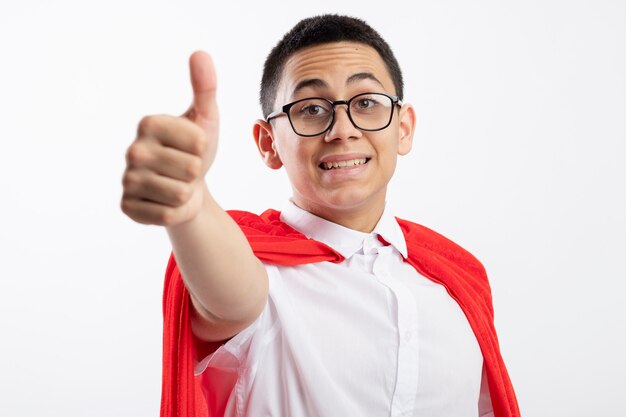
x,y
273,115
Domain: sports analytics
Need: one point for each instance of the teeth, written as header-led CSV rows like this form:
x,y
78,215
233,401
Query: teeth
x,y
344,164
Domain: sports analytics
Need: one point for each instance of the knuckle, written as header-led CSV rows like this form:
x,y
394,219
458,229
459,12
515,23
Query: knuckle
x,y
127,208
124,206
146,124
182,195
201,143
193,169
127,180
166,217
134,155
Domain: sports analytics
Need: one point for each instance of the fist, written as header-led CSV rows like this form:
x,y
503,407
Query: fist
x,y
165,166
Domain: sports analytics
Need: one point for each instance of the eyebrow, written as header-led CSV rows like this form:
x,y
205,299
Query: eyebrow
x,y
317,83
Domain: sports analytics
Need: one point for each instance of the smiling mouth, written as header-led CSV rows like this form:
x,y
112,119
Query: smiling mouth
x,y
327,166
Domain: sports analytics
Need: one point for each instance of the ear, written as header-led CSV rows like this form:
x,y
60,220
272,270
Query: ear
x,y
407,128
264,139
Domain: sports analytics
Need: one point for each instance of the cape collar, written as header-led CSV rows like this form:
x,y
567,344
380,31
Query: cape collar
x,y
342,239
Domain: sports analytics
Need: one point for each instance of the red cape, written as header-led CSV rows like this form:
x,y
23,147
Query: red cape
x,y
273,241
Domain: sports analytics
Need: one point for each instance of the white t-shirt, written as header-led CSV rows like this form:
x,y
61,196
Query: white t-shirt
x,y
367,337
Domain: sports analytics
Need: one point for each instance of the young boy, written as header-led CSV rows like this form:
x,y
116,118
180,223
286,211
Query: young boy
x,y
332,307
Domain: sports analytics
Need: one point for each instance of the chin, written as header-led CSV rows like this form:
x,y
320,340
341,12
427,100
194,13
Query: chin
x,y
354,199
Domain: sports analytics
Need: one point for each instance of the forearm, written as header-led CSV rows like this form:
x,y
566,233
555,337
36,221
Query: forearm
x,y
228,284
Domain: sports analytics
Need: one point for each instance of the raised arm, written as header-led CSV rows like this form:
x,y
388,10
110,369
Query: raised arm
x,y
164,185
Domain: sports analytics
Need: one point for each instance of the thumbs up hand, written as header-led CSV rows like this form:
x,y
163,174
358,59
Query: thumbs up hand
x,y
166,164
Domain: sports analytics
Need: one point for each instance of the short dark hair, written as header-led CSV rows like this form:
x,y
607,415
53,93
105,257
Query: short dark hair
x,y
318,30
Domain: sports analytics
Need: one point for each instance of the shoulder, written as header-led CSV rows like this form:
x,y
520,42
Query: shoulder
x,y
268,223
246,218
423,241
274,241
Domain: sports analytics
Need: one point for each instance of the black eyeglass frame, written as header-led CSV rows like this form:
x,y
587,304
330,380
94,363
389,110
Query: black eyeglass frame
x,y
285,109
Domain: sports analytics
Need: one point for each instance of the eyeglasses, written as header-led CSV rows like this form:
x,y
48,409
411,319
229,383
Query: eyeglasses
x,y
315,115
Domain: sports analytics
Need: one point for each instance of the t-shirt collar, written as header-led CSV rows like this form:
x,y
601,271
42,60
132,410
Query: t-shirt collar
x,y
342,239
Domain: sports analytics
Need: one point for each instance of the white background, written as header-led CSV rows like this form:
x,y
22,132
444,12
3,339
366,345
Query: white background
x,y
518,157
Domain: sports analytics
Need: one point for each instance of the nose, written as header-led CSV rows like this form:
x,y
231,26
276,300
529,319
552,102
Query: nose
x,y
342,127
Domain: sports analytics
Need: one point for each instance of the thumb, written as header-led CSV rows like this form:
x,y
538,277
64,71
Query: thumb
x,y
204,84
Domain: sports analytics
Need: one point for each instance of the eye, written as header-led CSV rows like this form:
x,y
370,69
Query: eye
x,y
365,103
313,109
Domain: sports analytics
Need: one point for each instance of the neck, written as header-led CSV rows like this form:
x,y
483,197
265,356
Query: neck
x,y
362,219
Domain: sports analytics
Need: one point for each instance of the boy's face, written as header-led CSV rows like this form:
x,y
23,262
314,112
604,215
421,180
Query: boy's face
x,y
328,71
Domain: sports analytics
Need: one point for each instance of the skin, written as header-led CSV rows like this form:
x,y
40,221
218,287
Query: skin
x,y
166,164
353,197
164,185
